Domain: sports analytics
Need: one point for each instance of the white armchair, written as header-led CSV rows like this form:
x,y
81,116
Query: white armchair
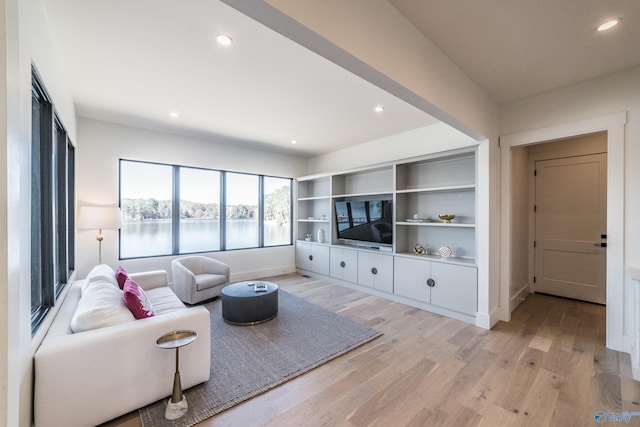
x,y
199,278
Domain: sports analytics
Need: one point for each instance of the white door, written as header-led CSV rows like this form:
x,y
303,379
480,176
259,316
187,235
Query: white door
x,y
570,227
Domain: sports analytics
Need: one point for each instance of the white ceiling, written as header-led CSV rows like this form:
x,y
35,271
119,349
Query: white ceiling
x,y
134,62
517,48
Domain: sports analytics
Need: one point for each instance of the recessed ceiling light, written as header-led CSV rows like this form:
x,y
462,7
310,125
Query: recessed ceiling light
x,y
608,25
174,114
293,141
224,40
379,109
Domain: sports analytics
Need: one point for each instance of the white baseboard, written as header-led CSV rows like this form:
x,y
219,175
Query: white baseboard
x,y
483,320
519,296
635,363
262,273
495,316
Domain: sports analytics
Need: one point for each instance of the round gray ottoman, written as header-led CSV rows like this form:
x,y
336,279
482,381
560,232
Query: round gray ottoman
x,y
244,304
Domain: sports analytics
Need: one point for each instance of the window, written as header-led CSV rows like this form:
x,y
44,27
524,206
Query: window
x,y
199,210
52,204
171,210
242,228
145,202
277,211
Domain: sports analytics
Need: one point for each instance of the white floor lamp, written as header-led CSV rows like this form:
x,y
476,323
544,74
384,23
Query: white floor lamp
x,y
100,218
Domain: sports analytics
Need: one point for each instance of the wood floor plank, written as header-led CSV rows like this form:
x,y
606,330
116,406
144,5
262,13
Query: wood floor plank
x,y
548,366
497,416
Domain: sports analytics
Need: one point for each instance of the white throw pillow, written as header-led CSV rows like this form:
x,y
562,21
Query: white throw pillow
x,y
102,304
100,272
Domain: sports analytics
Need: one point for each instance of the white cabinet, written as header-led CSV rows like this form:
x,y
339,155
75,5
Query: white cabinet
x,y
344,264
450,286
312,257
419,190
375,270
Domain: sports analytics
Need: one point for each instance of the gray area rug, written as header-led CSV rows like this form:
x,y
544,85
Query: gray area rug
x,y
249,360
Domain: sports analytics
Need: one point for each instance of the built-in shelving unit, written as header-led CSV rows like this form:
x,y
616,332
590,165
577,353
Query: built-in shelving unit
x,y
314,207
420,189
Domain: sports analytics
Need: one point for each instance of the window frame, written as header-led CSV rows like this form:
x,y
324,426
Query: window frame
x,y
175,214
52,203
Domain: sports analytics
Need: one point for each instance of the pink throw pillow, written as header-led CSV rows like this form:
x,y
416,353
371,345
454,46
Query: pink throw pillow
x,y
136,300
121,277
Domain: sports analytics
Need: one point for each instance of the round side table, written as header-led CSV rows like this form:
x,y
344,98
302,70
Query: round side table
x,y
177,406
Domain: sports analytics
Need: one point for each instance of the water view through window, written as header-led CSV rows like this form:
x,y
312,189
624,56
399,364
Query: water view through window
x,y
199,210
242,210
147,199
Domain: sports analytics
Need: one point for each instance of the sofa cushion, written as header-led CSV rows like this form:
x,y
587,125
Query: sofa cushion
x,y
121,276
206,281
137,300
101,305
101,272
164,300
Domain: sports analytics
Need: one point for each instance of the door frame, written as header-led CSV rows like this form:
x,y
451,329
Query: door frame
x,y
614,125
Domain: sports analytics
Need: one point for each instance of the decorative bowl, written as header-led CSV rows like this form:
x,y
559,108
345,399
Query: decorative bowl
x,y
446,217
445,252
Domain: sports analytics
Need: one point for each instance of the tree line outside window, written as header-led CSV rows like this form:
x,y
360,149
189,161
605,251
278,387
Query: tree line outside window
x,y
172,209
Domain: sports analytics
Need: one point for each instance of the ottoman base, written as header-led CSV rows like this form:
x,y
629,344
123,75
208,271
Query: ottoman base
x,y
242,305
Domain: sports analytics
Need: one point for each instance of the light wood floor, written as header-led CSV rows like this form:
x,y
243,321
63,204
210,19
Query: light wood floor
x,y
547,367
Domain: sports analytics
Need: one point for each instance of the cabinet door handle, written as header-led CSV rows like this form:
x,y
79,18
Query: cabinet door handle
x,y
431,283
374,270
342,264
310,257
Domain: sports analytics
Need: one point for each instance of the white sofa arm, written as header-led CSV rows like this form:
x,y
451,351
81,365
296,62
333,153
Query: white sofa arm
x,y
150,279
123,366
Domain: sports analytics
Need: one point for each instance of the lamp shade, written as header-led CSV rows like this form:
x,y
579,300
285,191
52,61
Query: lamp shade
x,y
99,217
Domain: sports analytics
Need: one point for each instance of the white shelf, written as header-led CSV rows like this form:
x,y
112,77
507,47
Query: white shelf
x,y
374,193
465,187
436,224
315,242
302,199
470,262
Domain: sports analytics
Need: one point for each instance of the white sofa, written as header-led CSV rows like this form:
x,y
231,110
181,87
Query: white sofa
x,y
90,377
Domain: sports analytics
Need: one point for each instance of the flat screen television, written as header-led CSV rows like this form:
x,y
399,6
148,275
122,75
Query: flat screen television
x,y
368,221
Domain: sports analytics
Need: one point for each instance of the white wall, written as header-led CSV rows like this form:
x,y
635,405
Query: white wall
x,y
9,130
26,38
103,144
426,140
520,224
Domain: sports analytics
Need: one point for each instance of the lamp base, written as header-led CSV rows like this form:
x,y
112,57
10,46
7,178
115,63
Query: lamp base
x,y
176,410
